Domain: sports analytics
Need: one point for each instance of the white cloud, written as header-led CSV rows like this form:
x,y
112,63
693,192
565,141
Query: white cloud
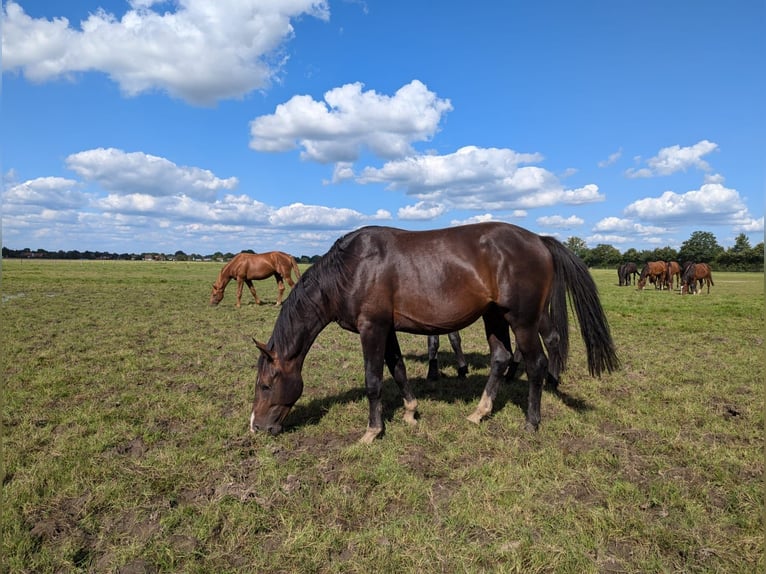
x,y
201,52
319,216
422,210
628,226
144,174
712,203
478,178
560,222
675,158
612,159
50,192
350,120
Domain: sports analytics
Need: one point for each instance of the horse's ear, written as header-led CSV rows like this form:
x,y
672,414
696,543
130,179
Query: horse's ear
x,y
264,349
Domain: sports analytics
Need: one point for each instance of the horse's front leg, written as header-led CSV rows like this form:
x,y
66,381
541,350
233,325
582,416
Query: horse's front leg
x,y
457,346
395,363
433,362
373,348
240,284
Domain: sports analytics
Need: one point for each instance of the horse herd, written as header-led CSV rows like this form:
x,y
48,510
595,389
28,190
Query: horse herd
x,y
689,277
378,281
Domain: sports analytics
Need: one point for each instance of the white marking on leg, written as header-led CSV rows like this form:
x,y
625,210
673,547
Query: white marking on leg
x,y
484,409
410,408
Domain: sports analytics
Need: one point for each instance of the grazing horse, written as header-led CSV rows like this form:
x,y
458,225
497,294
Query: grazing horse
x,y
433,349
655,272
376,281
246,267
673,270
625,271
696,272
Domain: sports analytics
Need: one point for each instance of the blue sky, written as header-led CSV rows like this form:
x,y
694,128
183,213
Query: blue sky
x,y
280,125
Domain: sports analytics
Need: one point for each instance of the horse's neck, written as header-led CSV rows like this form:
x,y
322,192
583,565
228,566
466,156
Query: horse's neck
x,y
224,277
299,323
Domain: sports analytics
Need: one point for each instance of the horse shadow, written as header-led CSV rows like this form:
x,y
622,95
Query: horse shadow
x,y
449,389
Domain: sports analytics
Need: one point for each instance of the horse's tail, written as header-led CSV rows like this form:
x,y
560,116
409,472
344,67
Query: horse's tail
x,y
572,277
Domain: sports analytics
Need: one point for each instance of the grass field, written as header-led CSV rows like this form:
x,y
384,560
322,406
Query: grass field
x,y
125,441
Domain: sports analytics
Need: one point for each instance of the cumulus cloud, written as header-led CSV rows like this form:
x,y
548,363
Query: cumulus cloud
x,y
422,210
201,52
141,174
675,158
50,192
319,216
627,226
478,178
350,120
560,222
712,203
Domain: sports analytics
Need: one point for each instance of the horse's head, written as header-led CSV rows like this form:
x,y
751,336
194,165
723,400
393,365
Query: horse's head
x,y
216,295
278,385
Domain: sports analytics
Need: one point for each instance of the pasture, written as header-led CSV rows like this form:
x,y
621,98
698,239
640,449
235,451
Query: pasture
x,y
125,444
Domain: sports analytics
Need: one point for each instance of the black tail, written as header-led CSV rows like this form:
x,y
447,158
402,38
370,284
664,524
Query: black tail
x,y
573,278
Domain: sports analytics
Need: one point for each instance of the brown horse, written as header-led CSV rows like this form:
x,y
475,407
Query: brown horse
x,y
378,280
655,272
246,267
673,270
692,274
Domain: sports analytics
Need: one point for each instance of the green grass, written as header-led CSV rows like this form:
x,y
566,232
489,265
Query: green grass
x,y
125,441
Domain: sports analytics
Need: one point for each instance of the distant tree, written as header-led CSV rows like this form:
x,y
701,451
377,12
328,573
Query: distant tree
x,y
665,254
603,256
700,247
630,256
741,244
577,246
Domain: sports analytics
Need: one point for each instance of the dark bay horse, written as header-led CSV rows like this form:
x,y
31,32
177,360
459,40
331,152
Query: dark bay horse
x,y
693,273
673,270
378,280
247,267
433,350
655,272
624,272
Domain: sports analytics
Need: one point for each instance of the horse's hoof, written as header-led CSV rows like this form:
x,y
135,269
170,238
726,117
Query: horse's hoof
x,y
462,372
370,436
475,418
531,427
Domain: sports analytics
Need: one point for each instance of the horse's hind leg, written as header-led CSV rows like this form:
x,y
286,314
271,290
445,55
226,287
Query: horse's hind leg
x,y
552,340
252,290
500,355
536,364
433,362
462,365
395,364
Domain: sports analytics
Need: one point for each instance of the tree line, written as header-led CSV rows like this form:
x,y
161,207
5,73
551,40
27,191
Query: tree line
x,y
701,247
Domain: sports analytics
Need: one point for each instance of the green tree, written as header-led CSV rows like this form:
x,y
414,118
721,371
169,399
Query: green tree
x,y
577,246
603,256
631,256
700,247
665,254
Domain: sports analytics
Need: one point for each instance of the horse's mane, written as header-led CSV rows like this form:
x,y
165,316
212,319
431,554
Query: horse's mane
x,y
312,302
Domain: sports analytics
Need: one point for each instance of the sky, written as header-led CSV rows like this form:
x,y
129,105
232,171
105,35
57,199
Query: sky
x,y
197,126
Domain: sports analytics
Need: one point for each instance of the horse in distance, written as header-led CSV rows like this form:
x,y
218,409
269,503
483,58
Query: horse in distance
x,y
377,281
249,267
694,273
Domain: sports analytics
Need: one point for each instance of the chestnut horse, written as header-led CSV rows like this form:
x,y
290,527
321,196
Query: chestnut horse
x,y
246,267
696,272
673,270
376,281
655,272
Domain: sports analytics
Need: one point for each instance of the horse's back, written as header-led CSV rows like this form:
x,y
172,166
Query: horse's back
x,y
441,280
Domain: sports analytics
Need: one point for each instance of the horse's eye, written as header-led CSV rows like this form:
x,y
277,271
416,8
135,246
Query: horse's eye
x,y
266,387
